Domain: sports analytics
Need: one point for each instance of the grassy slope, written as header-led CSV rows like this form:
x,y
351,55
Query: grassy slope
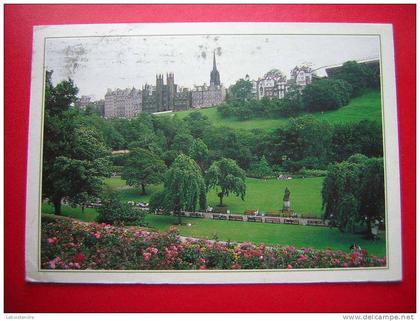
x,y
367,106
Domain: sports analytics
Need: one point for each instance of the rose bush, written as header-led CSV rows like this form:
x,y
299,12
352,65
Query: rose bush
x,y
71,244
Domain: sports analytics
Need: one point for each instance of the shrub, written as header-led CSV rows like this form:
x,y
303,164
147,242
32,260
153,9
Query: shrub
x,y
326,94
113,211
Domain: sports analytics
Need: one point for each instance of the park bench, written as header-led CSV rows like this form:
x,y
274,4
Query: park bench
x,y
195,214
222,210
315,222
273,213
219,217
274,220
236,218
291,221
254,219
308,216
250,212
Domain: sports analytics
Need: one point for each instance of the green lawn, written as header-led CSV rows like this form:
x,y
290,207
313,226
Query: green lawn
x,y
270,234
367,106
264,195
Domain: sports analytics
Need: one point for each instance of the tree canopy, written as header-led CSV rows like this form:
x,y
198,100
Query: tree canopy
x,y
75,158
353,192
142,167
184,188
227,175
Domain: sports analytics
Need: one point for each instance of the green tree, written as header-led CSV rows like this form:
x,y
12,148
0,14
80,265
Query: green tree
x,y
182,142
326,94
142,167
75,159
113,211
353,192
184,188
199,152
227,175
241,91
261,168
359,76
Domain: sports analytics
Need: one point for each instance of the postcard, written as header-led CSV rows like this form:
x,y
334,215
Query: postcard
x,y
196,153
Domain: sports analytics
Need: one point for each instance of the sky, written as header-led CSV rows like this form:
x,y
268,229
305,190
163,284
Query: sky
x,y
98,63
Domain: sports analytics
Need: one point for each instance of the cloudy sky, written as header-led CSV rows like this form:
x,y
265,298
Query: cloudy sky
x,y
98,63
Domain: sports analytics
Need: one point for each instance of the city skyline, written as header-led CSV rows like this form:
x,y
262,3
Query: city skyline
x,y
98,63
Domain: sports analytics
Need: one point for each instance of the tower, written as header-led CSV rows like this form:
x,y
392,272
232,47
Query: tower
x,y
159,92
214,75
170,82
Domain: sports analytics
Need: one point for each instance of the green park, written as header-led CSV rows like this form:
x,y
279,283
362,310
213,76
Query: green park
x,y
313,154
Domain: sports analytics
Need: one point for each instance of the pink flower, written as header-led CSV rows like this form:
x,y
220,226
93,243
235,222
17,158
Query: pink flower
x,y
52,240
97,235
202,260
147,256
289,266
202,267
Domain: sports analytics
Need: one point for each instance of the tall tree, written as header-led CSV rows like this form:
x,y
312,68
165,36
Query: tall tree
x,y
75,159
227,175
241,91
353,192
199,152
184,188
142,167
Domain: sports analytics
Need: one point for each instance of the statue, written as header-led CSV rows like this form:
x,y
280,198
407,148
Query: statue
x,y
286,200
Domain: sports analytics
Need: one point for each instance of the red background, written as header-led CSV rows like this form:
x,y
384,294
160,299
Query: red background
x,y
21,296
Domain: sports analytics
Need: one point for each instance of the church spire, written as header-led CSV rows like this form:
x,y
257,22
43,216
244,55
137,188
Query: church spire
x,y
214,75
214,60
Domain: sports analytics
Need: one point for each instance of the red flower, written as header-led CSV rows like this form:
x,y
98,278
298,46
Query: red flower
x,y
364,252
79,258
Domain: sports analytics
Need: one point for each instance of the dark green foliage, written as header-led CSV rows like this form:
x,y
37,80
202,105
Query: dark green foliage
x,y
241,91
199,152
143,167
353,192
182,143
75,158
227,175
260,169
358,75
184,188
364,137
113,211
304,142
326,94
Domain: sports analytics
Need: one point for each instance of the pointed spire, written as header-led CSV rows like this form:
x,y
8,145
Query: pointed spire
x,y
214,60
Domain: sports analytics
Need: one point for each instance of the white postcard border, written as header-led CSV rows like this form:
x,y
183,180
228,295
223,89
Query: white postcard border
x,y
393,271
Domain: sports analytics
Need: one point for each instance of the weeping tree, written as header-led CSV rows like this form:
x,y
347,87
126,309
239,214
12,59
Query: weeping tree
x,y
184,188
353,193
228,176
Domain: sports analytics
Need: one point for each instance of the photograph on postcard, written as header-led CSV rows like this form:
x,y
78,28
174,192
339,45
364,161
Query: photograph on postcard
x,y
230,153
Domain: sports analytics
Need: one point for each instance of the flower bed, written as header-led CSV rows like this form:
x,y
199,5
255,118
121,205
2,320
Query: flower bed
x,y
70,244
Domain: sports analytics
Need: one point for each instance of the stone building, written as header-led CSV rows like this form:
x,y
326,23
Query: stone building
x,y
165,97
125,103
207,96
272,85
301,76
